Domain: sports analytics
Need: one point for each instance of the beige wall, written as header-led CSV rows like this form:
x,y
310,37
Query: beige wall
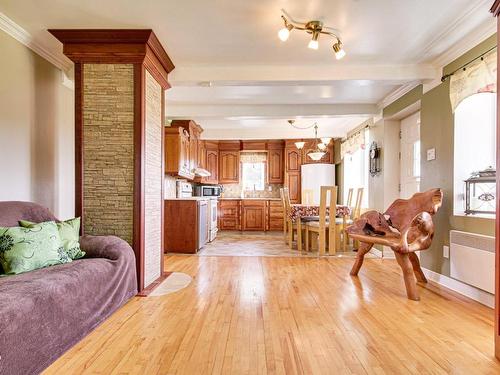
x,y
36,130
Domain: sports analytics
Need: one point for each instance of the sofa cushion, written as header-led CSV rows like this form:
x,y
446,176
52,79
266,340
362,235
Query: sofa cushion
x,y
69,231
27,249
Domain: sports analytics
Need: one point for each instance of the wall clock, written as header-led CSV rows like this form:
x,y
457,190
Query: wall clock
x,y
374,159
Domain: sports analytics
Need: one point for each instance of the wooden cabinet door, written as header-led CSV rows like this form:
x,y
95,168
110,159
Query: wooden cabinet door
x,y
293,184
292,160
229,215
275,221
275,166
229,167
212,165
184,156
254,217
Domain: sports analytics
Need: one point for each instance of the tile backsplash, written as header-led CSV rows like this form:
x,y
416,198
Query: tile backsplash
x,y
234,191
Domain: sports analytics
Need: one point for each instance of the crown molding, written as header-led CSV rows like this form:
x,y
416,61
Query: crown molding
x,y
471,40
22,36
398,93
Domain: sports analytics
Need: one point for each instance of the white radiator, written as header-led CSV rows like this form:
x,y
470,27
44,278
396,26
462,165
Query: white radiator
x,y
472,259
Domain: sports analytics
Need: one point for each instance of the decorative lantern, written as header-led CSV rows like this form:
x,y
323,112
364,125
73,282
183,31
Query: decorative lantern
x,y
480,192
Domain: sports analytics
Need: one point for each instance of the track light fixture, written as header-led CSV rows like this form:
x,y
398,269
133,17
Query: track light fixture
x,y
315,28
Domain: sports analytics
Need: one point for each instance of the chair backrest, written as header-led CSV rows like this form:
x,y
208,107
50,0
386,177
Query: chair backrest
x,y
324,202
350,193
307,196
285,200
402,211
356,212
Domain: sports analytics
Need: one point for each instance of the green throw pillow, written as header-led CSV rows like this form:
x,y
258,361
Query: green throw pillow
x,y
27,249
69,231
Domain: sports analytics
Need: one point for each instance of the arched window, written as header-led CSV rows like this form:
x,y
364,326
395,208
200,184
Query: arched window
x,y
474,141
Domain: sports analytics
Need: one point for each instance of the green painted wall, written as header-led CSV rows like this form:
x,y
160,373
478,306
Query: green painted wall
x,y
436,131
406,100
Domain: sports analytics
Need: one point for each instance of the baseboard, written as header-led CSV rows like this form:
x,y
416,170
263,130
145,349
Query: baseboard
x,y
469,291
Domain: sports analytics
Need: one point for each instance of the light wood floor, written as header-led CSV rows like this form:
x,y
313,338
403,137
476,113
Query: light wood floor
x,y
290,315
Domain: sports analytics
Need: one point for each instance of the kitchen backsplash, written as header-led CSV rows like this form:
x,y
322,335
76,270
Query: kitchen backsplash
x,y
234,191
169,188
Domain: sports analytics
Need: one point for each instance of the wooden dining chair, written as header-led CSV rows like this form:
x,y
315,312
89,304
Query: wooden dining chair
x,y
292,229
285,214
346,221
307,196
322,227
350,193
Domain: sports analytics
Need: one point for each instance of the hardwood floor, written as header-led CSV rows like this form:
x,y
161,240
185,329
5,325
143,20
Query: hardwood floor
x,y
289,315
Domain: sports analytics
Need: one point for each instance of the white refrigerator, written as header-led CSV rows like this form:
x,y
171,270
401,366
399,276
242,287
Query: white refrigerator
x,y
314,176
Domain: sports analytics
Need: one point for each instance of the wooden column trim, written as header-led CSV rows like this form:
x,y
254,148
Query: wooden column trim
x,y
141,48
495,9
79,144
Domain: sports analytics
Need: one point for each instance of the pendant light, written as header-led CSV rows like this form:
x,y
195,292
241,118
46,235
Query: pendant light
x,y
317,154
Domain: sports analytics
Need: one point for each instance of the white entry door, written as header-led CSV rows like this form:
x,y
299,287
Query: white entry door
x,y
410,156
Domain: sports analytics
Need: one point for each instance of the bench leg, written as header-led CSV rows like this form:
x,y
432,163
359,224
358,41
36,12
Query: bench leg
x,y
363,249
419,274
408,275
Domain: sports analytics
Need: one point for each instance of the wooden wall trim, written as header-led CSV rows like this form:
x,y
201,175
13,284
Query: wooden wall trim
x,y
79,145
139,118
112,45
495,8
496,11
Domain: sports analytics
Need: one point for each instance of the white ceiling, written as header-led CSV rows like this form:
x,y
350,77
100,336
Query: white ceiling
x,y
232,47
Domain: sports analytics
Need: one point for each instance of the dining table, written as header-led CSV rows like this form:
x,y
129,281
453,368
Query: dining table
x,y
305,210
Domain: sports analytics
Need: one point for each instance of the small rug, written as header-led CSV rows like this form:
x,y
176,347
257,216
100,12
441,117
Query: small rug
x,y
174,282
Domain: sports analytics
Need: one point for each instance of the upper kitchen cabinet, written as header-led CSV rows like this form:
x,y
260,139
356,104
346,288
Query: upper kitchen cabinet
x,y
275,161
211,162
177,155
229,162
293,158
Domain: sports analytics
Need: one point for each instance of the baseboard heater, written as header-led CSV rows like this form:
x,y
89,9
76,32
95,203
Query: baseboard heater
x,y
472,259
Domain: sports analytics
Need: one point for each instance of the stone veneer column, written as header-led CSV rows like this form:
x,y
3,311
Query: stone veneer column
x,y
120,78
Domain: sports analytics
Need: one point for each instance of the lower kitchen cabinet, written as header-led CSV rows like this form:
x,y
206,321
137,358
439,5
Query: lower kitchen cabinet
x,y
185,225
250,215
254,215
229,215
275,221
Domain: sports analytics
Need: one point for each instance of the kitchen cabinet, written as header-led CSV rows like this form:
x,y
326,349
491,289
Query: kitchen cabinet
x,y
185,225
275,164
177,154
251,214
254,215
229,166
293,161
210,162
229,215
275,216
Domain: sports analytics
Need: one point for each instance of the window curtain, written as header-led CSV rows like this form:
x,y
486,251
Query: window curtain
x,y
353,143
253,157
478,77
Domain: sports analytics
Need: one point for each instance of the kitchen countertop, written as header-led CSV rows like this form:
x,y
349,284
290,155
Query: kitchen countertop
x,y
188,199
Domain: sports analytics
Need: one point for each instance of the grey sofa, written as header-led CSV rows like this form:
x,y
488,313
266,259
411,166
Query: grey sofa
x,y
45,312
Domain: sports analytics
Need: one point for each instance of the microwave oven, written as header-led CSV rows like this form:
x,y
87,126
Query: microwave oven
x,y
207,191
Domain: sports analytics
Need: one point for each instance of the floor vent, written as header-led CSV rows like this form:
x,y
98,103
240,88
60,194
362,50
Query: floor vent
x,y
472,259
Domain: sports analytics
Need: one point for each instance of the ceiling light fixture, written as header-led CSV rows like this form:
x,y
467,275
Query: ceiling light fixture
x,y
318,152
315,28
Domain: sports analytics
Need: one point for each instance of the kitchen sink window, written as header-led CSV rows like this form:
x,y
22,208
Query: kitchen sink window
x,y
253,170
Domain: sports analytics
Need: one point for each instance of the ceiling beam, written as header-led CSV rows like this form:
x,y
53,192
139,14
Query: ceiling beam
x,y
182,111
278,74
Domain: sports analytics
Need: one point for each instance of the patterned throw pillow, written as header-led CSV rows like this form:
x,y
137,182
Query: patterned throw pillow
x,y
69,231
27,249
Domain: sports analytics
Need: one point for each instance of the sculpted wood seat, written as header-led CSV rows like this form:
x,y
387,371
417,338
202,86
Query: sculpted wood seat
x,y
405,227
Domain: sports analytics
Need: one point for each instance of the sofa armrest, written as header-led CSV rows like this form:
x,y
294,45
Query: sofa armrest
x,y
109,247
